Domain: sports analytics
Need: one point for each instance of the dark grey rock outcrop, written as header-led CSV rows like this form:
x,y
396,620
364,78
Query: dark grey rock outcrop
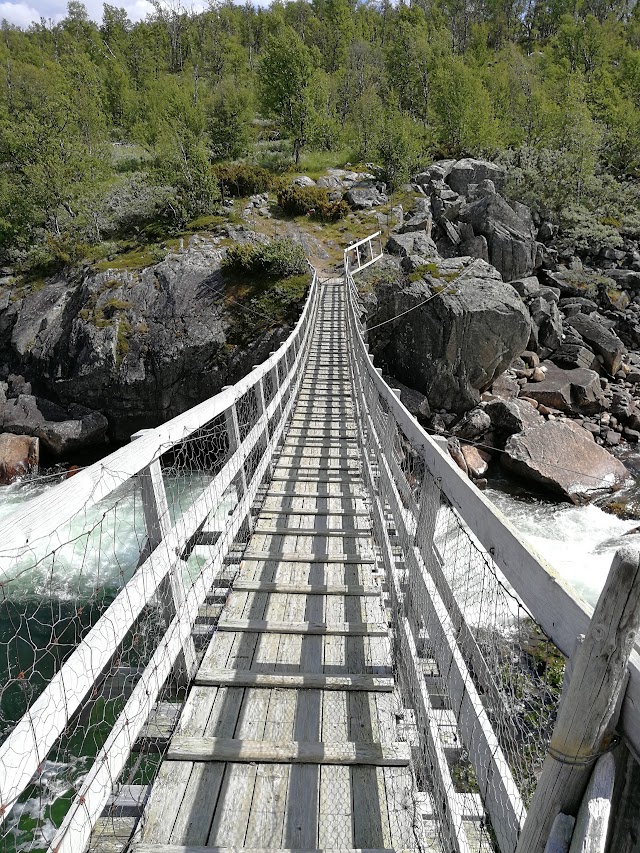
x,y
511,416
510,235
412,243
601,339
571,391
454,345
62,431
469,171
366,194
141,347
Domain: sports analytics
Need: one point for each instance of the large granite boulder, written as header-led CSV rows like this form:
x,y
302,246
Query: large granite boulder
x,y
19,455
602,340
546,325
420,218
626,278
412,243
510,416
469,171
62,431
366,194
472,425
139,346
510,235
463,328
563,457
575,391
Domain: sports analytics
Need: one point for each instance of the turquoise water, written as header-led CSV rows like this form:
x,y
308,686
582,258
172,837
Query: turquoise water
x,y
48,602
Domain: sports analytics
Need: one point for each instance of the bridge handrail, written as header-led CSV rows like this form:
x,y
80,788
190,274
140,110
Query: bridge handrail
x,y
43,515
552,603
24,751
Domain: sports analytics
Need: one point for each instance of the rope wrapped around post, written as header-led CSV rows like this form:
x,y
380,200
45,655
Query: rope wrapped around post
x,y
589,710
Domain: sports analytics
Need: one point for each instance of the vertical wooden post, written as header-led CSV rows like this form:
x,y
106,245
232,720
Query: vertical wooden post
x,y
427,514
234,439
158,524
262,415
588,713
275,384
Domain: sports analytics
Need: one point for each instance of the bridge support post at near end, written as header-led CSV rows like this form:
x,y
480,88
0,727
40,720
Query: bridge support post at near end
x,y
235,440
588,712
171,593
261,403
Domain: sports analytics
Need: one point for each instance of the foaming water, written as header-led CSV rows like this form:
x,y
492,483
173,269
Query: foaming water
x,y
578,541
59,587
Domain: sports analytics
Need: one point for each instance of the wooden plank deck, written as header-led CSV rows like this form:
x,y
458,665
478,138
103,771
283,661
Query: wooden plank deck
x,y
288,738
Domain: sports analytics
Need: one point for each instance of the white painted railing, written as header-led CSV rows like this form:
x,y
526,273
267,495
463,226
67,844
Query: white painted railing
x,y
360,255
236,433
415,483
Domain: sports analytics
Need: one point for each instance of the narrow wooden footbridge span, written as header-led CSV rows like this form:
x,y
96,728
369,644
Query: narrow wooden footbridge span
x,y
285,621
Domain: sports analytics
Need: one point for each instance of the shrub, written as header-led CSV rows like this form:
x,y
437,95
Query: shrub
x,y
277,259
241,179
584,230
631,226
311,201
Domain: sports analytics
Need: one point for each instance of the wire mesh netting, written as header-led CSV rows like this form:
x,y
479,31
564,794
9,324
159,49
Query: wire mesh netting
x,y
105,613
482,679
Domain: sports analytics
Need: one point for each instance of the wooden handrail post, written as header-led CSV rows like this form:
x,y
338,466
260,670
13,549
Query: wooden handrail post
x,y
589,709
235,440
158,525
261,404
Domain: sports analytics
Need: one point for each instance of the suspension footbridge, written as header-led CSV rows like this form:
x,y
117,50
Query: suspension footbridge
x,y
289,622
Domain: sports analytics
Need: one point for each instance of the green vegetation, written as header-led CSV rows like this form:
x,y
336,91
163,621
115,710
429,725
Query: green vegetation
x,y
262,303
425,270
311,201
276,259
118,132
242,179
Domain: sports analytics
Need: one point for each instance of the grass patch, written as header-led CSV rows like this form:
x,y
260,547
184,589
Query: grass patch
x,y
424,270
122,342
315,163
134,259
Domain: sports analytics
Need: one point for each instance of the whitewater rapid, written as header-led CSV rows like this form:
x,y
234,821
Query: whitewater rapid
x,y
578,541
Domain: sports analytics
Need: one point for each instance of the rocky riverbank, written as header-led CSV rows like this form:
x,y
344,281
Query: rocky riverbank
x,y
520,350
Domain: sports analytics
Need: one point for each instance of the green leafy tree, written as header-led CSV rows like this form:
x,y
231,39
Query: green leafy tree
x,y
285,73
460,110
396,147
230,116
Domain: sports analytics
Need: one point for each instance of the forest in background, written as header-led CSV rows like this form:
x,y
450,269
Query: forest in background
x,y
118,129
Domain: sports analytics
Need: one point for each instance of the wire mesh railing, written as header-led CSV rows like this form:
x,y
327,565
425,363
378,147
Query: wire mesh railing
x,y
103,579
481,625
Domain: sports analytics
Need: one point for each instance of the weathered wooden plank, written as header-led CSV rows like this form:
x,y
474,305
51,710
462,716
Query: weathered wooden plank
x,y
353,533
269,511
264,626
299,557
178,848
111,834
306,589
303,681
299,493
185,748
592,823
